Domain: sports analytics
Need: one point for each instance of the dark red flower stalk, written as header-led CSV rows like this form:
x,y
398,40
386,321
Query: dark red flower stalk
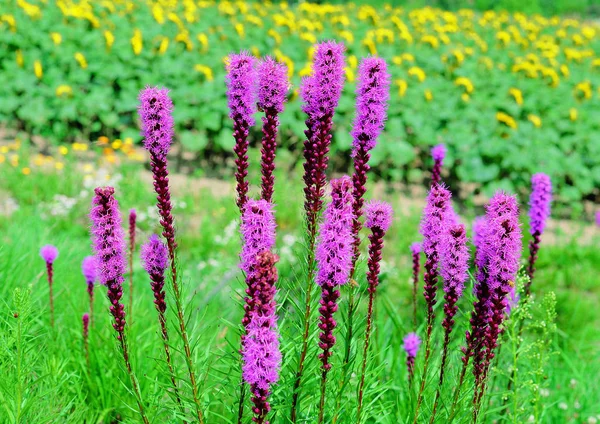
x,y
432,228
49,254
320,92
109,245
155,112
273,86
438,153
89,270
415,249
132,219
378,220
241,95
261,353
155,259
86,349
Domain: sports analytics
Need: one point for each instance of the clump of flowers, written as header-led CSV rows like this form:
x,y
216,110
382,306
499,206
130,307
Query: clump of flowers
x,y
49,254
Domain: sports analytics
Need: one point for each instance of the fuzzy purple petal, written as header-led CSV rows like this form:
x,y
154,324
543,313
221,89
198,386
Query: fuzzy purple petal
x,y
412,342
438,153
49,253
241,82
334,245
378,215
416,247
372,95
258,231
539,202
155,256
273,84
89,269
454,259
156,115
261,354
434,217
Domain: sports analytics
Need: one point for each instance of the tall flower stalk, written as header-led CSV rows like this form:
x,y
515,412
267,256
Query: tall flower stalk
x,y
378,220
320,93
273,86
89,271
539,211
411,344
155,259
438,153
454,269
334,259
241,99
415,250
49,254
85,320
432,229
261,353
109,245
155,112
132,220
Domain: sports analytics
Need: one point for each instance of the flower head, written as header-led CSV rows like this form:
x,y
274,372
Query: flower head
x,y
321,91
334,248
155,256
155,112
539,202
434,217
273,84
378,215
438,153
261,356
49,253
108,237
412,342
415,248
372,95
86,320
258,231
89,269
241,88
454,259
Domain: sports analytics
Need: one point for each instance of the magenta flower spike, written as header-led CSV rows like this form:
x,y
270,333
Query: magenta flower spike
x,y
415,249
109,245
378,218
372,96
539,211
411,345
433,226
273,87
260,350
438,153
49,254
132,220
89,271
241,98
334,261
155,260
155,112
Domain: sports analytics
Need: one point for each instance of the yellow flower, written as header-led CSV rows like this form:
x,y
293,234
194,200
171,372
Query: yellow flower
x,y
164,45
408,57
2,158
397,60
308,36
79,147
239,28
353,61
275,35
14,160
110,39
503,37
26,171
349,74
37,69
564,69
63,150
64,90
428,95
402,87
348,36
208,73
203,39
585,88
116,145
80,58
466,83
431,40
56,38
59,166
137,42
517,94
19,57
415,71
535,120
465,97
506,119
573,114
103,140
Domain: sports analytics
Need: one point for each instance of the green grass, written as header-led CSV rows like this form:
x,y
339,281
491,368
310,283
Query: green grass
x,y
43,376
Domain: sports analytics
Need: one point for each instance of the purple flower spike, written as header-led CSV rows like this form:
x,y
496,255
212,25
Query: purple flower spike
x,y
49,253
378,215
109,245
372,95
241,97
415,248
155,256
411,345
438,153
258,231
88,269
539,202
434,215
273,86
155,112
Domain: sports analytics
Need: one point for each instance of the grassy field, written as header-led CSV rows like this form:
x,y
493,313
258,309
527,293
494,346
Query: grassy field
x,y
43,373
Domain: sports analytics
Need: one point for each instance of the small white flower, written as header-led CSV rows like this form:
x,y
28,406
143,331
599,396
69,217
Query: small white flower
x,y
544,392
563,406
592,420
573,383
577,405
531,419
